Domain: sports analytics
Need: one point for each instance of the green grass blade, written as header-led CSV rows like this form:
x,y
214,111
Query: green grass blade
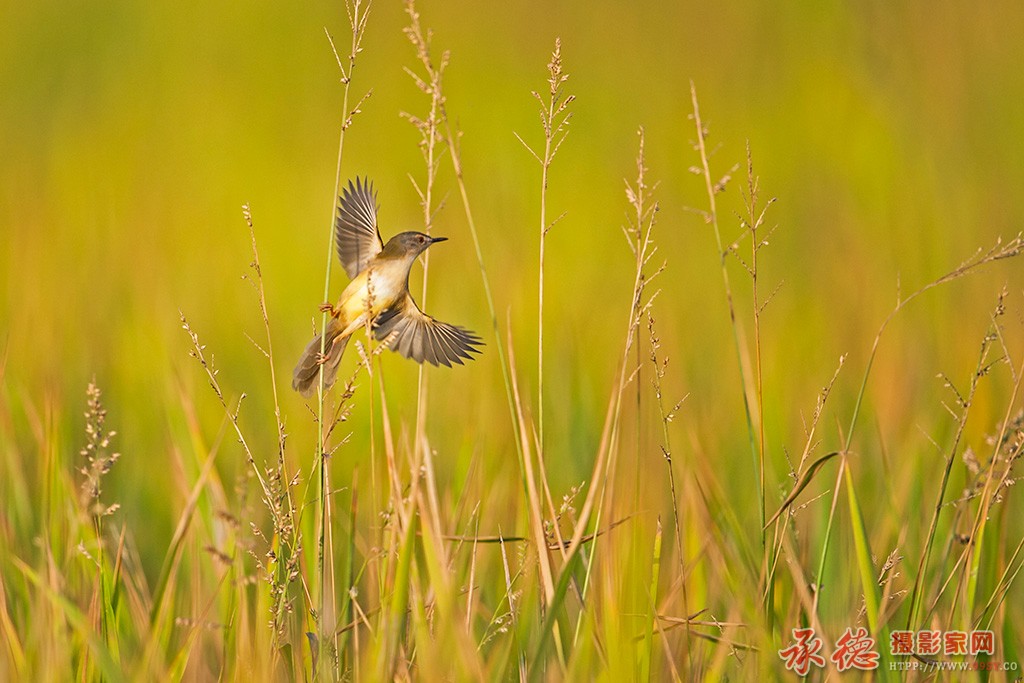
x,y
863,551
398,610
868,578
79,622
551,617
652,609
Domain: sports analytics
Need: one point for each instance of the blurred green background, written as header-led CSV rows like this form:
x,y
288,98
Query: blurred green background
x,y
131,134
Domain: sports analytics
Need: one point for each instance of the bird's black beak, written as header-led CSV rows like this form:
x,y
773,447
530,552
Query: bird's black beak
x,y
435,240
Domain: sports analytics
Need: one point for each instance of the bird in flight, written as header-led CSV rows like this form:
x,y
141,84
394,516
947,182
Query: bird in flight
x,y
378,293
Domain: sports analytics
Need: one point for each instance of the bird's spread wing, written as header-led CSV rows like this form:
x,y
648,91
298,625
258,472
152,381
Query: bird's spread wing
x,y
355,227
421,338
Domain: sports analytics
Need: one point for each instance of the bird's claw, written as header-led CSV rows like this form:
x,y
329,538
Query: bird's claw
x,y
328,308
321,358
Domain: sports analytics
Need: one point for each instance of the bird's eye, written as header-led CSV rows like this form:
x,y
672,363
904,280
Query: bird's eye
x,y
420,238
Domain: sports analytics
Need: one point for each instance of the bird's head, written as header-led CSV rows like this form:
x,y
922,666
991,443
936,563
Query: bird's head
x,y
409,244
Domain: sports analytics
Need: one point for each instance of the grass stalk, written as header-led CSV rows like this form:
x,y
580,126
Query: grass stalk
x,y
660,367
555,117
997,252
1007,445
358,13
754,223
964,402
714,188
430,143
600,493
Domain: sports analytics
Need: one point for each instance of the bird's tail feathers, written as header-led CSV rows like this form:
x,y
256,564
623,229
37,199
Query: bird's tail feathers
x,y
307,372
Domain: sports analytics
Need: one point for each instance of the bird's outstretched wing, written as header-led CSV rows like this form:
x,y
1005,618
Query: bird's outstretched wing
x,y
355,227
422,338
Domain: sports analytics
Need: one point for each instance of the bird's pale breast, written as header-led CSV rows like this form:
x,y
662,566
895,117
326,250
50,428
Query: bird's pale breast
x,y
377,287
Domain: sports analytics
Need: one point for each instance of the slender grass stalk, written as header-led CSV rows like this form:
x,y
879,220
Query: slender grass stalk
x,y
638,197
98,462
454,148
964,401
283,543
519,648
430,146
639,237
287,531
804,473
1005,444
756,242
391,637
600,495
754,224
522,445
997,252
555,117
711,216
755,436
660,367
453,138
368,361
358,13
536,519
269,353
1001,589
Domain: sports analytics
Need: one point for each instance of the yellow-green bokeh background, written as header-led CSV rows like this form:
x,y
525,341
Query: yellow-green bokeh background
x,y
131,134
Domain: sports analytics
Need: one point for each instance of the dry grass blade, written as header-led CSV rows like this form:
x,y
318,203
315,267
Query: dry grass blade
x,y
525,539
801,484
536,515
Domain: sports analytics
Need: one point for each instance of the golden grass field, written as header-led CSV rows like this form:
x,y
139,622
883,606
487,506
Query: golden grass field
x,y
749,281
